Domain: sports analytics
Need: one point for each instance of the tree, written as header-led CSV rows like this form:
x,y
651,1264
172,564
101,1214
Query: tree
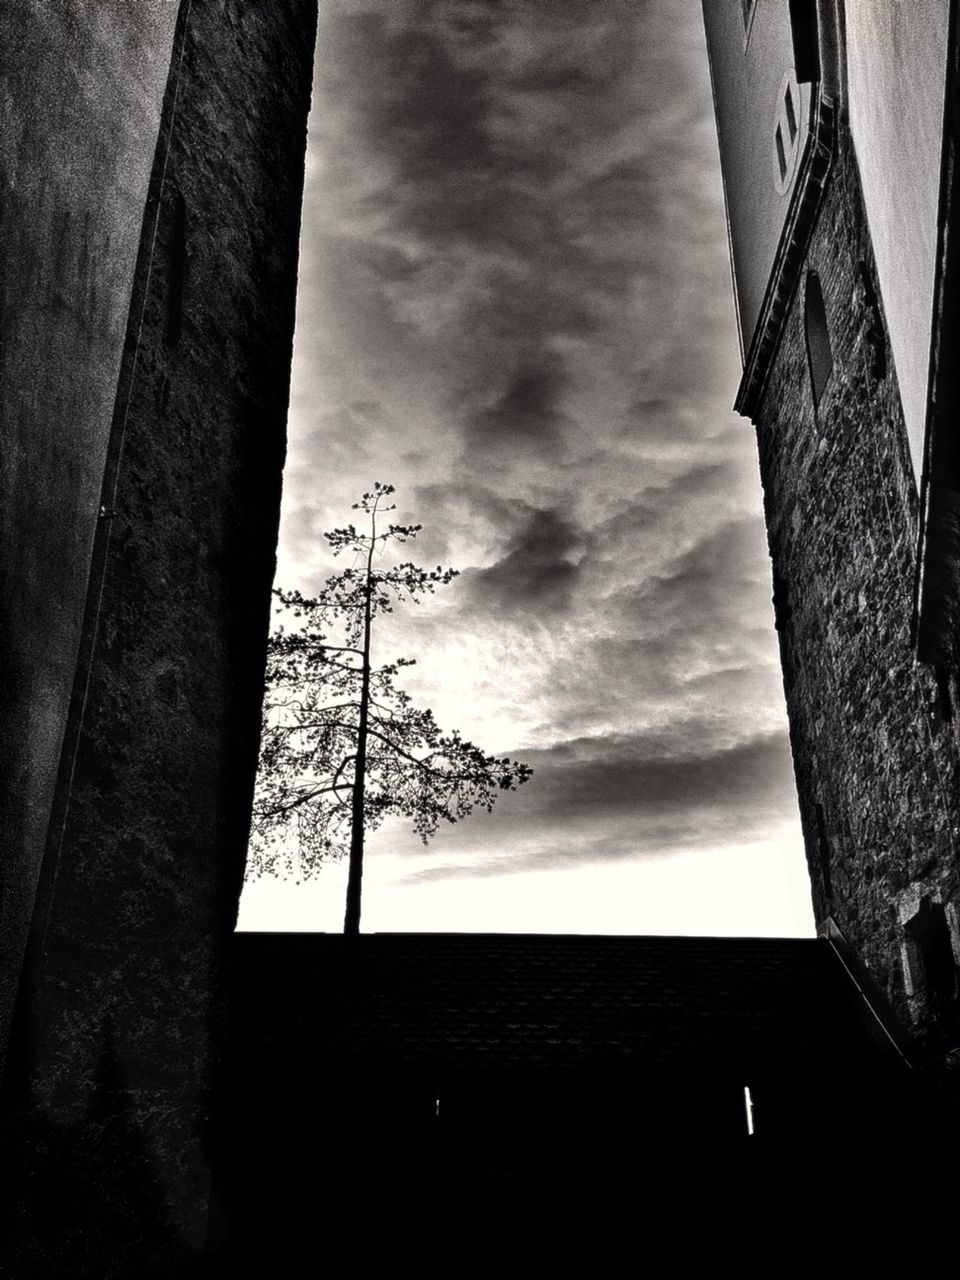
x,y
343,747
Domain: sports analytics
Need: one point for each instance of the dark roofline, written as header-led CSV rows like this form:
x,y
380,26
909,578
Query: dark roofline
x,y
566,1000
566,939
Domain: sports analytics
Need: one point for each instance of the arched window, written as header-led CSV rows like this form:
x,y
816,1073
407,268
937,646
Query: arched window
x,y
819,353
931,963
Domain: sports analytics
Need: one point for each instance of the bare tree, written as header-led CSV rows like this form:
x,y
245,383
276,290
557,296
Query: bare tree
x,y
343,747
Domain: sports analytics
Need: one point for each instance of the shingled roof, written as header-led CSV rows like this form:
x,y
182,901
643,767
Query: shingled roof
x,y
467,1091
499,999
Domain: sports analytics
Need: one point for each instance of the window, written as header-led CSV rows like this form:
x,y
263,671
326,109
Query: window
x,y
819,352
791,113
781,155
786,132
931,964
804,28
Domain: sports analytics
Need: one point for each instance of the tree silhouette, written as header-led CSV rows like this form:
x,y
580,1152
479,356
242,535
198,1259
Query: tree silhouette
x,y
342,746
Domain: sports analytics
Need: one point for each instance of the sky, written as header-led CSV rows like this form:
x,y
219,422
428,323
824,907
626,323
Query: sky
x,y
515,306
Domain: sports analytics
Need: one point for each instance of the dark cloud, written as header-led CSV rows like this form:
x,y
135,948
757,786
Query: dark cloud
x,y
527,414
413,105
625,797
635,775
666,637
428,111
539,572
482,154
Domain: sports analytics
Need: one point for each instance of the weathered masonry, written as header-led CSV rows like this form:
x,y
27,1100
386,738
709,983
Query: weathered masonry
x,y
837,153
152,170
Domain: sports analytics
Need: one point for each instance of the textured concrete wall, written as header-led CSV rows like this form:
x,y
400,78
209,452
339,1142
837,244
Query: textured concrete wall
x,y
81,87
875,754
141,880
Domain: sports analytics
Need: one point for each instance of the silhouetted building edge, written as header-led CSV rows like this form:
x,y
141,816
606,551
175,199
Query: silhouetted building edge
x,y
836,255
120,1007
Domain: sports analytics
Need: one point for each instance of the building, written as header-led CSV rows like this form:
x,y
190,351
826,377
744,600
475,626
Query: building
x,y
463,1096
837,137
150,228
152,161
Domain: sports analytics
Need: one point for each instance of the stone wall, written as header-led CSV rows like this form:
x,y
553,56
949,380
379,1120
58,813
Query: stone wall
x,y
117,1039
875,754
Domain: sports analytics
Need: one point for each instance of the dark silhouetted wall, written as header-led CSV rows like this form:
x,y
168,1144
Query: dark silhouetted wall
x,y
84,86
116,1031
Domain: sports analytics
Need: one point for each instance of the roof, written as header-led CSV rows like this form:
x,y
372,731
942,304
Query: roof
x,y
496,1000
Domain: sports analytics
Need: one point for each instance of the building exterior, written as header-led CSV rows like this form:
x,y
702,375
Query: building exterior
x,y
152,173
435,1093
152,157
837,154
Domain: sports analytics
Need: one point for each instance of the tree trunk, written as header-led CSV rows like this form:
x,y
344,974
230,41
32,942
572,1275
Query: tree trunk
x,y
351,920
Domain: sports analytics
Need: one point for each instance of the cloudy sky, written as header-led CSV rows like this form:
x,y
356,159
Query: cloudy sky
x,y
515,306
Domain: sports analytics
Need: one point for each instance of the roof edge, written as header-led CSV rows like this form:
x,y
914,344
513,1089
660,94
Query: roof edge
x,y
785,274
